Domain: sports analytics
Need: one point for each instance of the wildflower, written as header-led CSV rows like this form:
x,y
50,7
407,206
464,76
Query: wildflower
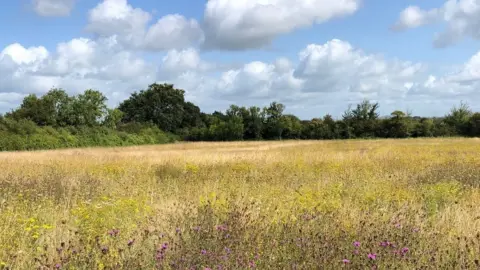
x,y
58,266
164,246
227,250
207,268
386,244
204,251
113,232
416,229
178,230
346,261
130,242
251,264
372,256
398,225
356,251
221,227
405,250
356,243
104,250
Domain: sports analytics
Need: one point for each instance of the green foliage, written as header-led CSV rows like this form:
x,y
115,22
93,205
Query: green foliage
x,y
143,118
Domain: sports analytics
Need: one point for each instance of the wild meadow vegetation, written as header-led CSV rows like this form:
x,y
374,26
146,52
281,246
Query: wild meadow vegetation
x,y
355,204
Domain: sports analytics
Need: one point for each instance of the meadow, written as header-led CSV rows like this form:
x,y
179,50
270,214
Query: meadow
x,y
355,204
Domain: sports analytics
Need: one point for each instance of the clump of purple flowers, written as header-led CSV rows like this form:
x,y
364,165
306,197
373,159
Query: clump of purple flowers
x,y
221,227
114,232
160,255
130,242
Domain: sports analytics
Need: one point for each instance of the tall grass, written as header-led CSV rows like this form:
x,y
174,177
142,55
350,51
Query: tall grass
x,y
386,204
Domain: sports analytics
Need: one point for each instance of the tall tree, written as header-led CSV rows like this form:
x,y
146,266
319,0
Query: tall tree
x,y
273,127
458,118
161,104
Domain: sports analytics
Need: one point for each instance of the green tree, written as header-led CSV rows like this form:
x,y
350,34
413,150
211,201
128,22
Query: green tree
x,y
274,126
89,108
458,118
161,104
113,118
474,125
362,120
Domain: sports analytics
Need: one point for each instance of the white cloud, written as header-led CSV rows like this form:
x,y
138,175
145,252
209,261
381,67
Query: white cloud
x,y
237,25
324,77
131,27
76,65
53,8
337,66
461,17
413,17
24,56
173,31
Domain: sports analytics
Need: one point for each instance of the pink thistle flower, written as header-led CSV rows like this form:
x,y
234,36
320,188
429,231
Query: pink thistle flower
x,y
346,261
356,243
221,227
204,251
372,256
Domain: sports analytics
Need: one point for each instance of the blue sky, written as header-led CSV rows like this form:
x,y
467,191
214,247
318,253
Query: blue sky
x,y
316,59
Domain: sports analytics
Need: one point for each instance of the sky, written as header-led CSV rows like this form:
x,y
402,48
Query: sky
x,y
314,56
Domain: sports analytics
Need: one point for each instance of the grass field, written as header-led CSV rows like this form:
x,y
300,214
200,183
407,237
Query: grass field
x,y
385,204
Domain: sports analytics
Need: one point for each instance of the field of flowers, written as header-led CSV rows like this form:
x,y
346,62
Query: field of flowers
x,y
373,204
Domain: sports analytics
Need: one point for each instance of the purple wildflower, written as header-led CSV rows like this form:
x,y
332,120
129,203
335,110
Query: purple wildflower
x,y
130,242
405,250
356,243
114,232
356,251
346,261
372,256
252,264
58,266
164,246
227,250
204,251
221,227
178,230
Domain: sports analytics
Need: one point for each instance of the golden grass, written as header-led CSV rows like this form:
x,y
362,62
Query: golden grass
x,y
289,204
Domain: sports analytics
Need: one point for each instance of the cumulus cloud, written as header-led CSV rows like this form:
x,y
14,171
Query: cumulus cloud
x,y
335,67
237,25
173,31
463,82
323,78
131,27
53,8
461,17
76,65
413,17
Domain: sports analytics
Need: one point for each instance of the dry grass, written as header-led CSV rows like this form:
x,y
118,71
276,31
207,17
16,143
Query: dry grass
x,y
266,205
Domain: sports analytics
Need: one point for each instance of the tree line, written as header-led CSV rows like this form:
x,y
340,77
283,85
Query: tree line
x,y
160,114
